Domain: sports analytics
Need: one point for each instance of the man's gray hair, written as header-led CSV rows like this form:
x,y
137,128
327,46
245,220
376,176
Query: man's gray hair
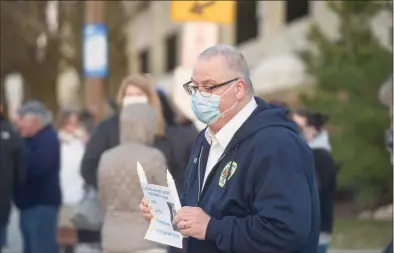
x,y
37,109
235,60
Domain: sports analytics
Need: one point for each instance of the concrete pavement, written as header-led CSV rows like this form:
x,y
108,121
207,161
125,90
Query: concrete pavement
x,y
335,251
15,240
354,251
14,236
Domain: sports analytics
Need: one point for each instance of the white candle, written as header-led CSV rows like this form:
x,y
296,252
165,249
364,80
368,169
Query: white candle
x,y
141,175
173,191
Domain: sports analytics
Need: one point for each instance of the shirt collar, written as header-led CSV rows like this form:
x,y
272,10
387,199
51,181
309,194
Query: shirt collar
x,y
224,136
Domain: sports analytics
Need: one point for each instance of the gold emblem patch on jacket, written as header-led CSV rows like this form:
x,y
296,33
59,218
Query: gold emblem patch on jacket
x,y
223,176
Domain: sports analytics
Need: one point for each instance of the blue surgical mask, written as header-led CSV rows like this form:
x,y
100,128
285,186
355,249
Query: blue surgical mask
x,y
206,107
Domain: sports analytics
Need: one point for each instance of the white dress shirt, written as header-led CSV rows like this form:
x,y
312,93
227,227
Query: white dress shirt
x,y
222,138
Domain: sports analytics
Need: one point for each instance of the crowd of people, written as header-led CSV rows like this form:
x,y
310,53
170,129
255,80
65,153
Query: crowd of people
x,y
76,183
54,162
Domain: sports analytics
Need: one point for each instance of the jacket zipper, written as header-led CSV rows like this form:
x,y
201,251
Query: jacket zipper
x,y
202,188
199,175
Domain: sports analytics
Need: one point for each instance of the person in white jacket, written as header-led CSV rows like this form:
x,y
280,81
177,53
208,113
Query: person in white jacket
x,y
72,140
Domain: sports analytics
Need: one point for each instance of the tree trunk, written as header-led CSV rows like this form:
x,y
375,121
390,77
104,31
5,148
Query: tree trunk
x,y
40,78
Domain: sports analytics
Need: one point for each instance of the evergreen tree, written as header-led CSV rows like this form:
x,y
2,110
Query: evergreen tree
x,y
348,75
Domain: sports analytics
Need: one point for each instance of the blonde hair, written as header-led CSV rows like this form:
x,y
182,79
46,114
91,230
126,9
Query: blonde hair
x,y
144,83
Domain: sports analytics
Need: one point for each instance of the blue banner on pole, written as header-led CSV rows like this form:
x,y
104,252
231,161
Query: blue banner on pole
x,y
95,50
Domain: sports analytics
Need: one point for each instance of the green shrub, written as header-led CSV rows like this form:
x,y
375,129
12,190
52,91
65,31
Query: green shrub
x,y
348,76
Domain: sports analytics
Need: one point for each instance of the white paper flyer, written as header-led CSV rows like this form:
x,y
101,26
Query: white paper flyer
x,y
161,228
164,204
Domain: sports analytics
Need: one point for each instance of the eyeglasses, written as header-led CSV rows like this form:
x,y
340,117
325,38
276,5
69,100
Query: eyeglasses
x,y
205,91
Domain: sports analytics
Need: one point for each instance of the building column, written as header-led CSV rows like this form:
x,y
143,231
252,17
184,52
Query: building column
x,y
227,34
157,57
132,57
272,17
327,20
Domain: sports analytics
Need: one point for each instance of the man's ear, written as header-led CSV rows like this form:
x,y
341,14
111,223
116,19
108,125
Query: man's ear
x,y
241,89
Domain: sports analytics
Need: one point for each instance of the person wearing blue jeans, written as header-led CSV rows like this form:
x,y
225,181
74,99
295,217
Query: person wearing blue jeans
x,y
389,248
39,226
3,238
39,199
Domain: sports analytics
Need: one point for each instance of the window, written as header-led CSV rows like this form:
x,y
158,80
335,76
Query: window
x,y
171,52
296,9
144,61
247,21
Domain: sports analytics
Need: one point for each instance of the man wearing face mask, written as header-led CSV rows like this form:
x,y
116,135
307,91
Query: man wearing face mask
x,y
250,183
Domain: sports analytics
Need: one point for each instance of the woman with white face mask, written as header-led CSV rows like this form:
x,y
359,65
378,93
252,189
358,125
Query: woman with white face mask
x,y
133,90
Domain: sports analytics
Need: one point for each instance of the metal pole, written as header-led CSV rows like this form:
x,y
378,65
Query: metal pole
x,y
94,86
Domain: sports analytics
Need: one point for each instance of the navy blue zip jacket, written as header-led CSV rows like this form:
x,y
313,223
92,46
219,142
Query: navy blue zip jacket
x,y
268,201
42,186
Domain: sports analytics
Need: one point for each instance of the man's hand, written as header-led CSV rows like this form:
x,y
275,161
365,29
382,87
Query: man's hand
x,y
145,210
192,221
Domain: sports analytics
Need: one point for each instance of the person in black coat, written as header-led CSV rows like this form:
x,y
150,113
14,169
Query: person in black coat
x,y
13,168
311,126
181,134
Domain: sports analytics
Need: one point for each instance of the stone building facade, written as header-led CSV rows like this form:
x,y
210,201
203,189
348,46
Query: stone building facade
x,y
269,34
